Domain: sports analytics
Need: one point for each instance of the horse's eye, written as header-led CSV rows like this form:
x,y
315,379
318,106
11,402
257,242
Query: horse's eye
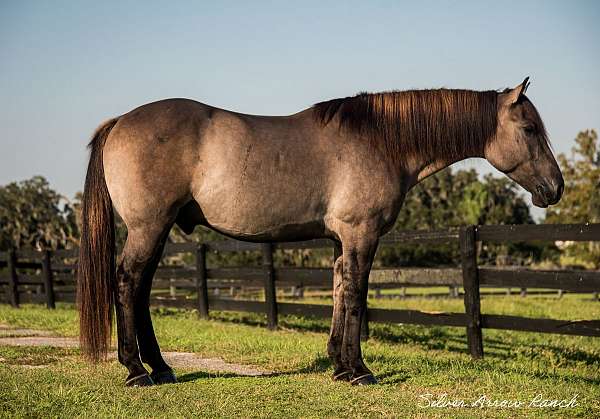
x,y
529,130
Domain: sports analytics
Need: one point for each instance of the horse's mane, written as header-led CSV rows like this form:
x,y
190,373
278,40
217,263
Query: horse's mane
x,y
428,123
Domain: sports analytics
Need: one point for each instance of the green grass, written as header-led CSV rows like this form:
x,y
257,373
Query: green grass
x,y
410,361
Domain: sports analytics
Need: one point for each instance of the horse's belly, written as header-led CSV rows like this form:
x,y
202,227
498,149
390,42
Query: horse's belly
x,y
253,217
283,232
250,206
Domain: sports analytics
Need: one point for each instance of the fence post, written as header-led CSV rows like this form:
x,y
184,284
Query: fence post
x,y
172,288
13,279
270,292
201,282
468,252
48,279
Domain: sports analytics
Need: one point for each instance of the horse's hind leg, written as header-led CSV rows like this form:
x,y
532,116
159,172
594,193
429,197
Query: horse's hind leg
x,y
138,253
148,345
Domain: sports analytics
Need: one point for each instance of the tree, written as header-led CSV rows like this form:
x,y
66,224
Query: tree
x,y
581,201
34,215
453,199
581,172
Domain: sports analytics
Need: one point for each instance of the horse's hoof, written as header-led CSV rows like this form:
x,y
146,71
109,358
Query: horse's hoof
x,y
143,380
163,377
364,380
342,376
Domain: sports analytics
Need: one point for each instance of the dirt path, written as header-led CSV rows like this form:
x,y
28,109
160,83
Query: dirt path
x,y
10,336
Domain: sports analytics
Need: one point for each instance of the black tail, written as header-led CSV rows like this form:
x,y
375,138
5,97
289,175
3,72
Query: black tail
x,y
96,268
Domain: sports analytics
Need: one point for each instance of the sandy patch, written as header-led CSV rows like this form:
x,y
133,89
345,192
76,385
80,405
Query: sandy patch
x,y
184,360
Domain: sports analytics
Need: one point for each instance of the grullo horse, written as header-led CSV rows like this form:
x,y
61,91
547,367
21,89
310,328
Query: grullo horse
x,y
339,169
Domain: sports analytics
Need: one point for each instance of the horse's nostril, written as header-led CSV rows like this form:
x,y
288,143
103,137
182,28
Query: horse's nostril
x,y
540,189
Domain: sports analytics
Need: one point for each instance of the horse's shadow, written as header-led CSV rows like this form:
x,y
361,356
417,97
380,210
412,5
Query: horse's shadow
x,y
320,364
199,375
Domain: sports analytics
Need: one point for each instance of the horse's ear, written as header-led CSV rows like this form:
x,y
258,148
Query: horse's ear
x,y
517,92
525,85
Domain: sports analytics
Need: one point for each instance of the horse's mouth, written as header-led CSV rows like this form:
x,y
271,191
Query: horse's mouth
x,y
544,196
539,201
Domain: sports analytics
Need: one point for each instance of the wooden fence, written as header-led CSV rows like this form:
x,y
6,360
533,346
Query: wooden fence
x,y
47,277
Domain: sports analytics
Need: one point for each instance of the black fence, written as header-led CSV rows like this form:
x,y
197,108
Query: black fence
x,y
48,276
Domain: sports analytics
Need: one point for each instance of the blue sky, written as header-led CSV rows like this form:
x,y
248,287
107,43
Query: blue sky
x,y
67,66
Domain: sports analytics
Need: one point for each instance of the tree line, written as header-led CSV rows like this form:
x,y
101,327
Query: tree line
x,y
33,215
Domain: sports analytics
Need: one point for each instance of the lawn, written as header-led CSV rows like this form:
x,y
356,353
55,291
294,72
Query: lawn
x,y
416,366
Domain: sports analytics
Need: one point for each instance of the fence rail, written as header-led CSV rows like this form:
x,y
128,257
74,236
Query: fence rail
x,y
30,276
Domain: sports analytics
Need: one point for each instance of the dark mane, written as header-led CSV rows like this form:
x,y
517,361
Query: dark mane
x,y
448,122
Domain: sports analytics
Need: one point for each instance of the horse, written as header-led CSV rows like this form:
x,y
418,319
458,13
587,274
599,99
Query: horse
x,y
339,170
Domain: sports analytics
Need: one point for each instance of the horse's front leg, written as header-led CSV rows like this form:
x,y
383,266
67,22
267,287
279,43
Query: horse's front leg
x,y
358,252
336,335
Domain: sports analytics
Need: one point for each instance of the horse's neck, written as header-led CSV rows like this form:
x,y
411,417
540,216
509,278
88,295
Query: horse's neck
x,y
423,169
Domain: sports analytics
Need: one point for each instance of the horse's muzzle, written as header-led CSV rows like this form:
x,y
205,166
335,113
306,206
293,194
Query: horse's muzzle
x,y
548,193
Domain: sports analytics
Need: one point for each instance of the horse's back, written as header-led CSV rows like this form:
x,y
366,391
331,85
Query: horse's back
x,y
251,176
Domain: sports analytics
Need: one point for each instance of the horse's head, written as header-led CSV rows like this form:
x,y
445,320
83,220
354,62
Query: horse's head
x,y
520,148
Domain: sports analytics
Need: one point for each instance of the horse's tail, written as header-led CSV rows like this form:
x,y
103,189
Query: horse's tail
x,y
96,267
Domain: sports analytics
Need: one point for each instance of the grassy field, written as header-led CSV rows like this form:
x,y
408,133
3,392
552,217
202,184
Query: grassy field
x,y
416,366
